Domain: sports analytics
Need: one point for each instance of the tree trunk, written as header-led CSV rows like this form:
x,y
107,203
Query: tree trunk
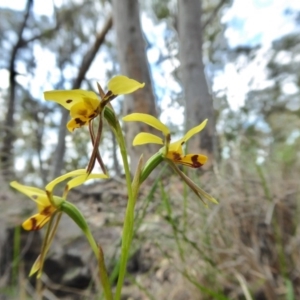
x,y
199,104
134,64
6,153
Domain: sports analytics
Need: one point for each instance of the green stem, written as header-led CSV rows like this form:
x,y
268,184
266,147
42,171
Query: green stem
x,y
72,211
102,269
39,262
42,257
172,221
16,254
185,205
129,216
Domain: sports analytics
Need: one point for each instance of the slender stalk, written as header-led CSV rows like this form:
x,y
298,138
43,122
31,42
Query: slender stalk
x,y
185,205
39,263
102,269
52,234
171,220
129,216
16,254
44,248
72,211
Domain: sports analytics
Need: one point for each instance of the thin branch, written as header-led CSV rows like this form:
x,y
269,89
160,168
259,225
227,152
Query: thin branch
x,y
213,14
91,53
40,35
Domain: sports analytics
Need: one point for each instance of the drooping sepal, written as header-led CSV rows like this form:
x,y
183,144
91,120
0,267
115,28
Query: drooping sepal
x,y
74,213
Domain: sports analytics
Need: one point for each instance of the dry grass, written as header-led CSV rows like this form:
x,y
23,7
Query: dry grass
x,y
247,247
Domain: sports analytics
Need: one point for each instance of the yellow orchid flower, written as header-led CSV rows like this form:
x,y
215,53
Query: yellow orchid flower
x,y
84,106
47,204
172,151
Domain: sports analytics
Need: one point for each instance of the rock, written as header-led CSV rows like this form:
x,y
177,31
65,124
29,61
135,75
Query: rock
x,y
29,244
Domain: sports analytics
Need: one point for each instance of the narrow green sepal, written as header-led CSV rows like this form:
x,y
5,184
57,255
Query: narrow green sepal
x,y
110,116
74,213
57,201
36,266
150,165
200,193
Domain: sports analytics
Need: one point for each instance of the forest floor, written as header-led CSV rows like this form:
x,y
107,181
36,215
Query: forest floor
x,y
246,247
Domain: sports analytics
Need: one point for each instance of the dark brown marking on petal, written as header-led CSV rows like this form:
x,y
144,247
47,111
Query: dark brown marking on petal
x,y
182,143
195,162
92,116
79,122
34,196
69,100
33,224
46,211
176,156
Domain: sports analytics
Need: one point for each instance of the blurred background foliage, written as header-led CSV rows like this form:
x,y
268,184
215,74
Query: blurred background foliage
x,y
265,127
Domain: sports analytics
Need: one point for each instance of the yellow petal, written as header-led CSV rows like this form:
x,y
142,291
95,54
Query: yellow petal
x,y
120,84
190,160
37,195
85,108
50,186
194,130
77,122
148,119
36,222
68,98
146,138
83,178
177,146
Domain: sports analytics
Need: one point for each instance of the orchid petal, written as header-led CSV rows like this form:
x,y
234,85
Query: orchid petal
x,y
177,146
77,122
194,130
148,119
37,195
146,138
50,186
36,222
191,160
83,178
68,98
85,108
120,84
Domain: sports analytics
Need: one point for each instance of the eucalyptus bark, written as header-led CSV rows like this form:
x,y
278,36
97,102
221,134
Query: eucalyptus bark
x,y
134,64
198,101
